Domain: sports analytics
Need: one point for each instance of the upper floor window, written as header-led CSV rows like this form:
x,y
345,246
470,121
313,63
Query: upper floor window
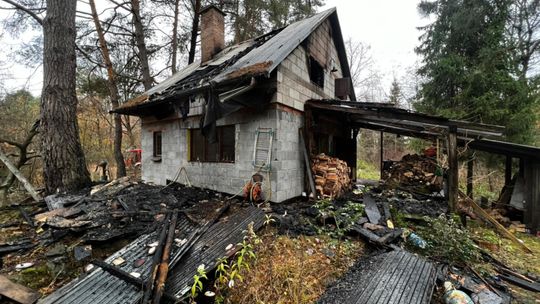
x,y
316,72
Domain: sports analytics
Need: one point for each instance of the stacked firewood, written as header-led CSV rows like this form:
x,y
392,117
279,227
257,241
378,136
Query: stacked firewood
x,y
332,175
414,170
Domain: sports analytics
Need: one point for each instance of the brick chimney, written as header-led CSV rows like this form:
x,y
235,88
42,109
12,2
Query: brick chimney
x,y
212,32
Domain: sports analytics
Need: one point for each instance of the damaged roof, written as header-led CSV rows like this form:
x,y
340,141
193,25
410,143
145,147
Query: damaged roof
x,y
386,117
255,57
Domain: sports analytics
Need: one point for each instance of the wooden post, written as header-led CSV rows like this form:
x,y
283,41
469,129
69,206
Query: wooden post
x,y
307,162
470,165
452,168
20,177
382,152
508,170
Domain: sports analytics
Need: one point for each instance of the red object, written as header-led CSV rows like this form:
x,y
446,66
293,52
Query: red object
x,y
133,157
430,152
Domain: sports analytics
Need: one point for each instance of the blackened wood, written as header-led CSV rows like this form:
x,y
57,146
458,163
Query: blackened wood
x,y
63,158
307,163
164,265
119,273
155,263
26,217
372,211
521,283
390,236
508,171
452,168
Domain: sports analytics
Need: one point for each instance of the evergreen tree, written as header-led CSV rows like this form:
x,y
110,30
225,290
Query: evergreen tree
x,y
395,94
469,68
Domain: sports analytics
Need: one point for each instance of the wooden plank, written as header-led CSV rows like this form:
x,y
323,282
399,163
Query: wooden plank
x,y
372,211
521,283
389,264
500,228
17,292
307,163
408,279
390,281
453,168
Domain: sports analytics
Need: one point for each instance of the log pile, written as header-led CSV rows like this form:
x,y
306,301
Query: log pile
x,y
332,175
414,170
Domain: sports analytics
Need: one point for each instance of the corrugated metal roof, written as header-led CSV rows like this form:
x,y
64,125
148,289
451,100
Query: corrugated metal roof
x,y
278,47
231,63
102,287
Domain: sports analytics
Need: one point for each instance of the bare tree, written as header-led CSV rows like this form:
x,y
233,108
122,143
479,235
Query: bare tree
x,y
113,93
365,77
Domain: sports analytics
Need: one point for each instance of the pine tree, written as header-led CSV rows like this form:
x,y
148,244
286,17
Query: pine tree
x,y
469,68
395,94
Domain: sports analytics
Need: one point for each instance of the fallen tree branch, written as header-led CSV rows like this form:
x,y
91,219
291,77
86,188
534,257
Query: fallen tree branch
x,y
20,177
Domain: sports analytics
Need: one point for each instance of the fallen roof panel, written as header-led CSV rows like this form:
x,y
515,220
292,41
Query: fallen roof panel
x,y
390,278
100,286
211,247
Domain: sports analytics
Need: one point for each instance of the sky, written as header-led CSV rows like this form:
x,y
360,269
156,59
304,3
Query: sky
x,y
388,26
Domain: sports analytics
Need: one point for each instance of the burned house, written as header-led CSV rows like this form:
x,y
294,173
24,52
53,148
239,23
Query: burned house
x,y
240,108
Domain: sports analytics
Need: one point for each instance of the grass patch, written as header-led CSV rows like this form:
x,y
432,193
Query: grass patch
x,y
509,253
294,270
367,170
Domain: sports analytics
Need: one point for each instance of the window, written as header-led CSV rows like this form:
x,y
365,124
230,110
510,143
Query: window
x,y
220,151
316,72
157,146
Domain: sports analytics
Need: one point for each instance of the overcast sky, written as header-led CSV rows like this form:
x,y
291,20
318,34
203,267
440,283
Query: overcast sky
x,y
388,26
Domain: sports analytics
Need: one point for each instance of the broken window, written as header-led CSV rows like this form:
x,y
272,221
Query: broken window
x,y
220,151
157,144
316,72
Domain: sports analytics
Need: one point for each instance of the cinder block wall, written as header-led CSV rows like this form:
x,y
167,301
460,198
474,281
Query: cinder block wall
x,y
287,171
294,84
294,88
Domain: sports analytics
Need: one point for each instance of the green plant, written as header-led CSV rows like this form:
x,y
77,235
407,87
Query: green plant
x,y
448,241
197,286
268,220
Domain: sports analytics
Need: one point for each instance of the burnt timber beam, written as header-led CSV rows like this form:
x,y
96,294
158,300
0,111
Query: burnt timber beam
x,y
508,170
400,114
400,131
381,150
452,168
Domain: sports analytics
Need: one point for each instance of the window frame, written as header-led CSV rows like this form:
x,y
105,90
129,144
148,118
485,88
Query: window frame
x,y
220,146
157,137
316,70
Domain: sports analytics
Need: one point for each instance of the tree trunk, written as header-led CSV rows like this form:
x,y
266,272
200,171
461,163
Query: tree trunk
x,y
113,92
194,31
63,157
141,45
174,42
